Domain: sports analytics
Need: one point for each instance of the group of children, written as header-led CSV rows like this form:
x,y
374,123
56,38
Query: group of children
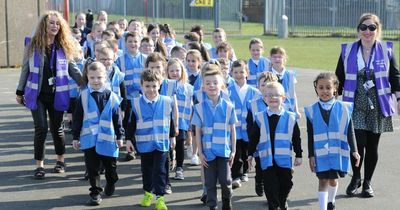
x,y
162,95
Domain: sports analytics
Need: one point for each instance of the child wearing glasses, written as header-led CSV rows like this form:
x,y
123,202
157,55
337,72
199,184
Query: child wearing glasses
x,y
274,133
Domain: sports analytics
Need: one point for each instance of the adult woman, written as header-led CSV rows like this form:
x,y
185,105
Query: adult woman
x,y
368,76
43,84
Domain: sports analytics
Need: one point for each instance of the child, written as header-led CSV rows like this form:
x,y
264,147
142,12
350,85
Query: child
x,y
184,94
214,119
199,30
93,37
193,62
123,24
80,24
146,46
132,64
153,31
257,63
98,107
329,155
254,107
274,132
102,17
150,127
226,71
240,94
200,48
219,36
178,52
286,77
167,34
77,34
224,50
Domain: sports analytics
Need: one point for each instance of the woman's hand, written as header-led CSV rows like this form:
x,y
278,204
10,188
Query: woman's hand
x,y
357,157
20,100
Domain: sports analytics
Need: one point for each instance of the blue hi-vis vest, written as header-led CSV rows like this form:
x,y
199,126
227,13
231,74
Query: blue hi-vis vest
x,y
116,80
73,87
256,106
184,96
241,109
283,140
197,82
168,87
331,149
98,128
215,129
288,83
133,68
255,71
152,124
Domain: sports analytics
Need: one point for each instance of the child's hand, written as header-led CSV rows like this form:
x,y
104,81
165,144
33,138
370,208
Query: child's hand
x,y
298,115
120,143
311,162
176,131
250,162
129,146
231,158
357,157
75,144
298,161
173,142
203,160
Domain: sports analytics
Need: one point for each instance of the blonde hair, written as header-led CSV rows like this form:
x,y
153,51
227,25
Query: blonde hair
x,y
172,61
375,19
267,76
40,39
93,66
196,54
276,85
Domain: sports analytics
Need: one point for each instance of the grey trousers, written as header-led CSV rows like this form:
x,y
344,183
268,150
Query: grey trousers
x,y
218,169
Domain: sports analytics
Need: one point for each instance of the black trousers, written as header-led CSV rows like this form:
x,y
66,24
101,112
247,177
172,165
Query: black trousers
x,y
154,171
240,165
259,174
367,145
180,151
277,185
93,163
45,106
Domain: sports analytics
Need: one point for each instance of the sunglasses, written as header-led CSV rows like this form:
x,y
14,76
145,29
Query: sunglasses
x,y
364,27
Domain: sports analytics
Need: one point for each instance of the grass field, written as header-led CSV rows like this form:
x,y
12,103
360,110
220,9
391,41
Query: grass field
x,y
304,52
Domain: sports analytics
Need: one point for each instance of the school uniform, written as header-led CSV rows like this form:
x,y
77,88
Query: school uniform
x,y
256,67
254,107
84,32
288,80
116,84
215,122
275,134
332,152
195,80
240,96
97,124
74,88
149,128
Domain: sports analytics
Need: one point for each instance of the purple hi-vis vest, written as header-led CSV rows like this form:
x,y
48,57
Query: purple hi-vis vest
x,y
61,100
382,54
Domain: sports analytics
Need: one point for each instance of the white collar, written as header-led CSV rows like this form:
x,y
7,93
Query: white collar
x,y
151,101
277,73
99,90
279,113
193,73
327,105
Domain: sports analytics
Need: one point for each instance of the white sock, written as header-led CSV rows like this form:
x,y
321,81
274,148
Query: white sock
x,y
332,193
323,200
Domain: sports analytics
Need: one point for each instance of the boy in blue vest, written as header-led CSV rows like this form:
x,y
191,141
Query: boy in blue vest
x,y
97,128
274,133
214,119
149,128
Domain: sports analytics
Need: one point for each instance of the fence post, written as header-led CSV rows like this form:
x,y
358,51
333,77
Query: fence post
x,y
216,13
283,27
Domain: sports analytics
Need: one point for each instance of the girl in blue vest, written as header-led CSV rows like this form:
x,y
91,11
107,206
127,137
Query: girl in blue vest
x,y
274,133
331,138
146,46
43,84
257,63
92,38
97,130
219,36
134,25
132,64
214,119
184,94
253,107
156,62
369,77
286,77
149,128
153,31
240,94
224,50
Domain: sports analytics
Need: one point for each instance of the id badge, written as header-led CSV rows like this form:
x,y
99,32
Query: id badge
x,y
368,85
51,81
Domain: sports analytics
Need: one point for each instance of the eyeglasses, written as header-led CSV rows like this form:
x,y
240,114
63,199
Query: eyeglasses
x,y
364,27
105,59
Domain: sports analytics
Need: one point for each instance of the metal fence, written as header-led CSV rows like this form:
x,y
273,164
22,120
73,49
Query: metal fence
x,y
178,13
331,17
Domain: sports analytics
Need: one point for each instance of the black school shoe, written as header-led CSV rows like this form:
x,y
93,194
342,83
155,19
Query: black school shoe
x,y
109,189
355,183
95,200
226,204
367,191
331,206
259,189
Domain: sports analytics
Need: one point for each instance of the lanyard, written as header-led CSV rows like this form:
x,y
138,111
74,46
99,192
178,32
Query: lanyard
x,y
52,58
368,64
